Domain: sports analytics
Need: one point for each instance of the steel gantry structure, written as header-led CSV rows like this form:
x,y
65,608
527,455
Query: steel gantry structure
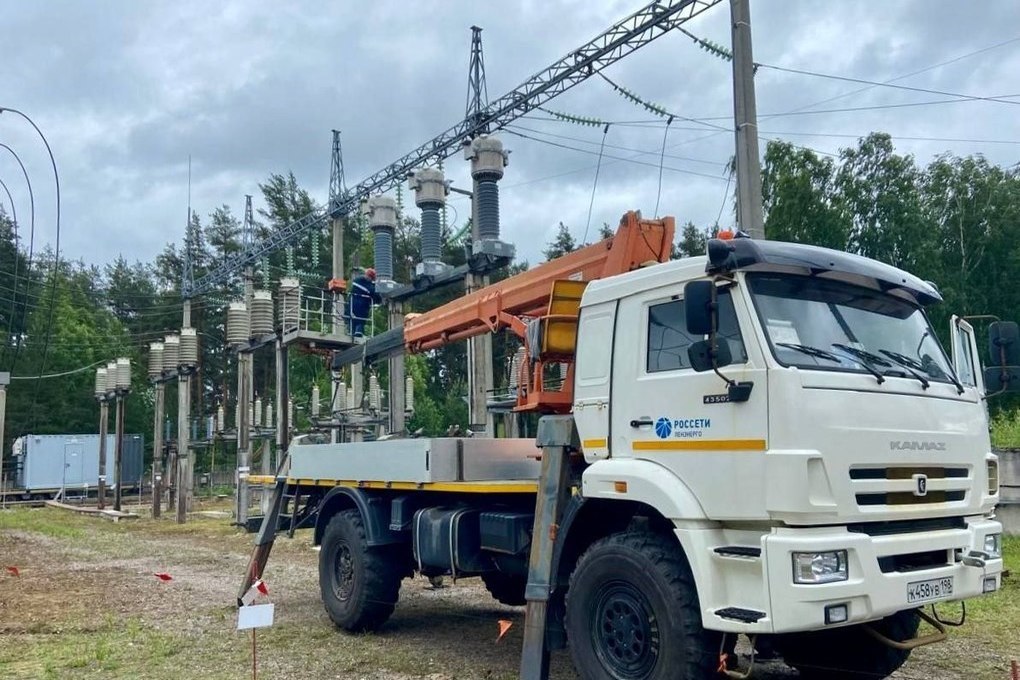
x,y
620,40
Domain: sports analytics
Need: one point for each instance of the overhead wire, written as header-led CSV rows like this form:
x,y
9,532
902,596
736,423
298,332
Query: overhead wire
x,y
58,375
56,250
1001,99
595,182
662,158
31,252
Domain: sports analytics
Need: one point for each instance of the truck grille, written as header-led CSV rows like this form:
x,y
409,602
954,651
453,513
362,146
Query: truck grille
x,y
877,486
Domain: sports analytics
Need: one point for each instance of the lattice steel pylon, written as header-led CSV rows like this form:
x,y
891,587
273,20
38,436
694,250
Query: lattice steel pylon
x,y
477,94
613,44
337,183
248,227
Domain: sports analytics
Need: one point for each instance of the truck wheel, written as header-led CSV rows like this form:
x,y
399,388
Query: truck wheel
x,y
633,612
506,588
360,585
850,653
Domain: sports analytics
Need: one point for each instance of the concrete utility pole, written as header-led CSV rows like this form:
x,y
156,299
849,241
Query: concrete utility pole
x,y
745,115
118,453
157,449
5,380
184,461
104,425
397,373
337,226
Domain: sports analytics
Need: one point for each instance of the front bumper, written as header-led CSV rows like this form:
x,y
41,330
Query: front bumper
x,y
766,584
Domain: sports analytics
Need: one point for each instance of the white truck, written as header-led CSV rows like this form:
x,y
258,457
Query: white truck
x,y
767,441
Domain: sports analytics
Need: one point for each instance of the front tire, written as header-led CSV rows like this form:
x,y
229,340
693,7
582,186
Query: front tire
x,y
850,653
359,584
633,612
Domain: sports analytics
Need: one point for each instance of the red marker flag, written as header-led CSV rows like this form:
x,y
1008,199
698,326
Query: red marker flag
x,y
504,628
164,577
257,588
13,571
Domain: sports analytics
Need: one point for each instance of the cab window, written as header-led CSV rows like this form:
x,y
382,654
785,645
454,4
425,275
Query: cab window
x,y
668,339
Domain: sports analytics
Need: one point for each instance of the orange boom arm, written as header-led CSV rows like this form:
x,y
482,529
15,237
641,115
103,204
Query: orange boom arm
x,y
508,303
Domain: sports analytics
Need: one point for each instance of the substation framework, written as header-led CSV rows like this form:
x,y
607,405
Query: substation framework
x,y
314,322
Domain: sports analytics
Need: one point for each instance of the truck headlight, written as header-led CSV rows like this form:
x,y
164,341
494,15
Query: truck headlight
x,y
993,477
993,546
820,567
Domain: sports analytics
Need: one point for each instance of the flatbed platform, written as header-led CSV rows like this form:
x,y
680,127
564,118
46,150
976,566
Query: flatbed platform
x,y
522,486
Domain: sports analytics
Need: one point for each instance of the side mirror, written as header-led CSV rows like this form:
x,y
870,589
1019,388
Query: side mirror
x,y
699,307
703,359
1002,379
1003,344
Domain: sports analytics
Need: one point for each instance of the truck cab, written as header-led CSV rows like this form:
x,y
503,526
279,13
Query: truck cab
x,y
821,460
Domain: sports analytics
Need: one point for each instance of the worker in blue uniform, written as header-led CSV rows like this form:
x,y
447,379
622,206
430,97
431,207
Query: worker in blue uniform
x,y
359,302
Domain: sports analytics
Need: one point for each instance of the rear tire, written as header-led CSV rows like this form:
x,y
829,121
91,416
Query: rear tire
x,y
850,653
360,585
633,612
506,588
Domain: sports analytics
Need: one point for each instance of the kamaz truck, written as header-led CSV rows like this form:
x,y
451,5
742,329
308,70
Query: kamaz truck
x,y
769,440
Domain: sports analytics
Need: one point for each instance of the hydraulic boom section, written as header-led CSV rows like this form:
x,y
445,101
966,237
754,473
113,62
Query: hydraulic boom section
x,y
541,305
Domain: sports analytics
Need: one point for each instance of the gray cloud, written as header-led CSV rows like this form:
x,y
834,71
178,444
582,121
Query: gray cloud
x,y
126,91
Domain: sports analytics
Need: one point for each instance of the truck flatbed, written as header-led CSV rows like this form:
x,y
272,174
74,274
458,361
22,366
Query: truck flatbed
x,y
522,486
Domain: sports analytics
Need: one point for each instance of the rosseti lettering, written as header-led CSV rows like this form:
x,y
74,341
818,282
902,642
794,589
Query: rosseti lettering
x,y
692,423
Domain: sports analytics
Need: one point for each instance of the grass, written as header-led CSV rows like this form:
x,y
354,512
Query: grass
x,y
53,524
1006,430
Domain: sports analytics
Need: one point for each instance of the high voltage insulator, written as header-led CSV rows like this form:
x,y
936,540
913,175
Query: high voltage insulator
x,y
341,397
577,120
382,220
100,382
488,158
111,377
430,190
220,418
269,416
155,359
251,416
409,394
189,348
290,413
289,302
261,313
123,373
238,324
171,353
350,399
315,401
374,393
257,417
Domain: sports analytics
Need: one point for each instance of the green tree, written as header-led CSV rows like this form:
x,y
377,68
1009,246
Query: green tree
x,y
562,244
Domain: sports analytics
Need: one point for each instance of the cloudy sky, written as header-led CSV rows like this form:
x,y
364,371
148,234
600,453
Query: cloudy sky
x,y
126,90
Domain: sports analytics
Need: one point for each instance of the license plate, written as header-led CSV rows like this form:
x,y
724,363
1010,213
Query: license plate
x,y
932,589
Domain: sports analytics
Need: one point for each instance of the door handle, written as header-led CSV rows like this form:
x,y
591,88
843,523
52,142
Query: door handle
x,y
641,422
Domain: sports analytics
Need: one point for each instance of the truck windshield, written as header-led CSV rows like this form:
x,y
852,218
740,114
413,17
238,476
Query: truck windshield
x,y
831,325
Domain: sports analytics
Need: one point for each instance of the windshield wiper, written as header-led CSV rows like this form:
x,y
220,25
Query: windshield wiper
x,y
908,365
810,351
864,359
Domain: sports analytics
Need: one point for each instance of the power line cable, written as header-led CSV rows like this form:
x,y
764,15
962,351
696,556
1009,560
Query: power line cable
x,y
31,248
56,255
58,375
875,83
662,158
595,183
911,74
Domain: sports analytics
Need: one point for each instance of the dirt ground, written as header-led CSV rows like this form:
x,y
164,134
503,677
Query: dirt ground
x,y
87,605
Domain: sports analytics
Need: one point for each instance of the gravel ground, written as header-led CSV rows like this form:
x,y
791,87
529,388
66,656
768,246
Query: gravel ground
x,y
87,604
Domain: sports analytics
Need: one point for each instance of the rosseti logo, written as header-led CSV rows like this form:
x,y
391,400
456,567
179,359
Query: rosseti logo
x,y
663,427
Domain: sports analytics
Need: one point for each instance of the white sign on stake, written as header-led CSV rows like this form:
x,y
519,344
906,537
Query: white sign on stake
x,y
255,616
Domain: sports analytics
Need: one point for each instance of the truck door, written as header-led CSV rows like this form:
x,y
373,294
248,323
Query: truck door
x,y
663,411
965,354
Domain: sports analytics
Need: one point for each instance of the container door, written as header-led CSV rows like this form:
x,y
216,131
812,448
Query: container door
x,y
74,465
